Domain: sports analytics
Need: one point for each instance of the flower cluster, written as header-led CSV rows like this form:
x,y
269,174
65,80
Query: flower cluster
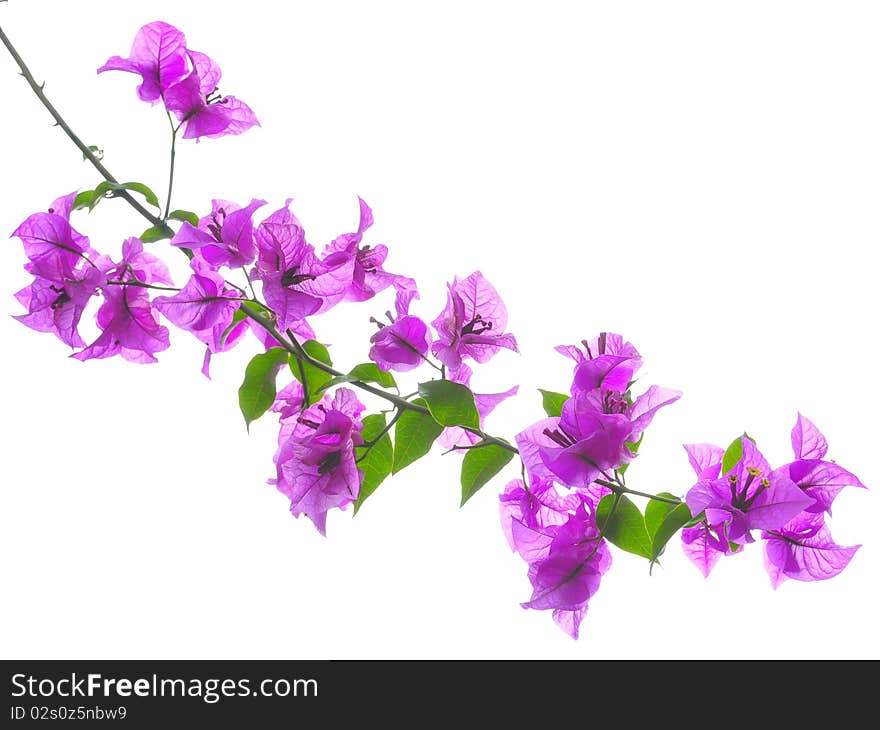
x,y
787,504
316,458
572,461
186,81
68,273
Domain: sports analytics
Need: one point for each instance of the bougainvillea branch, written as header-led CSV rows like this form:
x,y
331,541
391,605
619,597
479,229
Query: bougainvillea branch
x,y
572,500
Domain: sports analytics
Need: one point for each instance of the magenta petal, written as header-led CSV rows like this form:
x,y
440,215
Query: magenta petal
x,y
647,405
807,440
531,542
707,493
401,346
200,305
821,480
51,244
407,290
206,70
701,548
188,236
570,621
63,206
228,116
561,581
705,459
611,372
752,458
158,54
777,505
804,550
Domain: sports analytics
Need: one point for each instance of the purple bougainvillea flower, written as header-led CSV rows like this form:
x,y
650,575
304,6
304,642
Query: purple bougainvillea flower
x,y
403,344
368,278
600,424
603,376
159,55
583,443
822,480
206,307
128,324
750,496
129,327
223,238
453,436
569,574
804,550
67,271
472,323
296,283
316,465
199,107
57,307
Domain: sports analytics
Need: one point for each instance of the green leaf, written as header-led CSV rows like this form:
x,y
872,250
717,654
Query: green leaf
x,y
624,526
84,200
663,520
375,460
367,372
137,187
451,404
413,436
732,456
257,392
312,378
480,464
154,233
98,194
106,189
553,402
184,215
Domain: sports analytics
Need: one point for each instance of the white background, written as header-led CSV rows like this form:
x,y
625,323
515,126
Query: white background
x,y
700,176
